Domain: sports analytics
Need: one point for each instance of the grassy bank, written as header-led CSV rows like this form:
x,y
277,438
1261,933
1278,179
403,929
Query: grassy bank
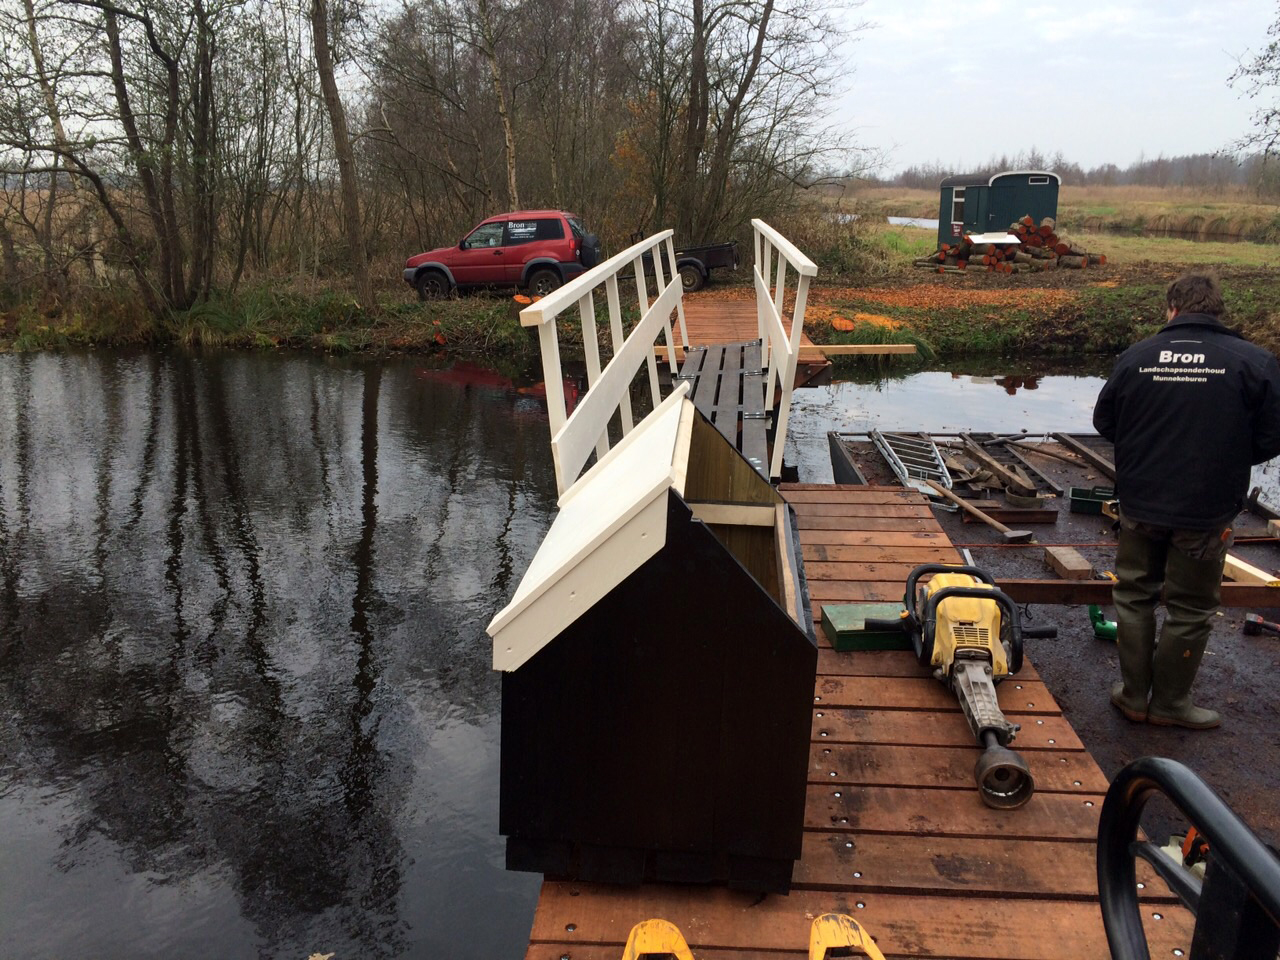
x,y
1231,214
270,318
868,292
967,316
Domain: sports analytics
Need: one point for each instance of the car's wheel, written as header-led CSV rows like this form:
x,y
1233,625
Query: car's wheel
x,y
432,285
691,278
542,282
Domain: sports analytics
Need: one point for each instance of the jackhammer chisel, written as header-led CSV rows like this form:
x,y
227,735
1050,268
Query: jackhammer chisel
x,y
969,632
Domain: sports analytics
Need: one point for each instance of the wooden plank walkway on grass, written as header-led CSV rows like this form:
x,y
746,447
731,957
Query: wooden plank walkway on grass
x,y
895,833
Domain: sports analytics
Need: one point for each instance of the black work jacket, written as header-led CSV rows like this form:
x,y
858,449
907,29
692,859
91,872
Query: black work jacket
x,y
1190,410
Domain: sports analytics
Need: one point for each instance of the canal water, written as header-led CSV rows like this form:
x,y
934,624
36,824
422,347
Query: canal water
x,y
245,684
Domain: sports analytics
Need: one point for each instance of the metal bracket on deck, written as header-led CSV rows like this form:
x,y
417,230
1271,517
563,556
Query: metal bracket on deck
x,y
753,415
686,376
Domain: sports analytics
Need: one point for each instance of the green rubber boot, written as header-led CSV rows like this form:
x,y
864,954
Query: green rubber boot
x,y
1192,588
1140,567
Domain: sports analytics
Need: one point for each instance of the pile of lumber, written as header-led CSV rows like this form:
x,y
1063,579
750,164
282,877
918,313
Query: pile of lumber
x,y
1036,248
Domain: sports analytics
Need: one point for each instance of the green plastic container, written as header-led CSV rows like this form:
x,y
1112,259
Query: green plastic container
x,y
845,626
1089,499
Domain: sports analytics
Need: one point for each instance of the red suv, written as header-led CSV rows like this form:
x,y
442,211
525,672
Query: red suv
x,y
537,249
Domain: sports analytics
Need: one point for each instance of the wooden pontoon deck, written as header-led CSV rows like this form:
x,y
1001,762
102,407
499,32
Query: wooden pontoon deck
x,y
895,833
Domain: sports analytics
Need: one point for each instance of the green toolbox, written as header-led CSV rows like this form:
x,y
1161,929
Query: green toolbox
x,y
1089,499
845,626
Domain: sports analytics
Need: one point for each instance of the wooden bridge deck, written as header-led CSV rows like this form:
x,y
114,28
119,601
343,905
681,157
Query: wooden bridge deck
x,y
710,320
895,834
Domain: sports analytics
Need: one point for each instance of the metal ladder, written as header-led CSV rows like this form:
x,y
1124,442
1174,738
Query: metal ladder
x,y
913,458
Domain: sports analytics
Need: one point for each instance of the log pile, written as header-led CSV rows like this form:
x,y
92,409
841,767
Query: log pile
x,y
1039,247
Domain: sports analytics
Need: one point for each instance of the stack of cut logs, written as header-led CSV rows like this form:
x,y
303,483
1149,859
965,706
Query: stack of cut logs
x,y
1038,248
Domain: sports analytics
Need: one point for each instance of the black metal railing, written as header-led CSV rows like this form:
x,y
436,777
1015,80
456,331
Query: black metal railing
x,y
1237,904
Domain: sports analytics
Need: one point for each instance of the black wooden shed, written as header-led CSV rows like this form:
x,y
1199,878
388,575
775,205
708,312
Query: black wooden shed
x,y
987,203
658,667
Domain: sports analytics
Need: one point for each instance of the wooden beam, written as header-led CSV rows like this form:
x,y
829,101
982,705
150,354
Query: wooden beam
x,y
810,353
1006,476
1087,453
733,514
856,349
1068,563
1243,572
1083,592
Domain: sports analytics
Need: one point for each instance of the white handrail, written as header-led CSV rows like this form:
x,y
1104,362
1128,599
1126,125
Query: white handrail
x,y
574,437
780,346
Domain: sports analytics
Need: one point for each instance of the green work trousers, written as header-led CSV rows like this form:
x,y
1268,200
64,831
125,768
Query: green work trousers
x,y
1187,565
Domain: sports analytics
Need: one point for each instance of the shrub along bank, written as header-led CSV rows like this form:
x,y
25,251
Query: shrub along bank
x,y
946,316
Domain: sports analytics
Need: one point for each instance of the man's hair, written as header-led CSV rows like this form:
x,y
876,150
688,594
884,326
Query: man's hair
x,y
1196,293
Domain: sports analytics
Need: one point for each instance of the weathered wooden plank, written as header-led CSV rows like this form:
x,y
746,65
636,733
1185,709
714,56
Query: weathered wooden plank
x,y
836,591
816,570
858,510
887,663
855,489
922,811
707,384
1080,592
728,404
1015,695
845,537
871,765
1087,453
839,553
935,728
903,925
896,524
969,866
843,494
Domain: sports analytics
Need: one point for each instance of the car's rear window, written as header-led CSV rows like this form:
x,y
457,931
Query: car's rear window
x,y
576,226
526,231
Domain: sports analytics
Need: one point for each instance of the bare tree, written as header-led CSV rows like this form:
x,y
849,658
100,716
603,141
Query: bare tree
x,y
353,226
1260,78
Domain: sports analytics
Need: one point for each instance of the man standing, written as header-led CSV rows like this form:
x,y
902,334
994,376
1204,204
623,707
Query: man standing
x,y
1189,410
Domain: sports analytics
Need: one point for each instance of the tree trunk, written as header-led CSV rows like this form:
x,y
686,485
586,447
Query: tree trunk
x,y
695,131
346,156
489,48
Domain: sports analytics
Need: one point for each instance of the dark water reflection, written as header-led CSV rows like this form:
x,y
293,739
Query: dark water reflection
x,y
246,687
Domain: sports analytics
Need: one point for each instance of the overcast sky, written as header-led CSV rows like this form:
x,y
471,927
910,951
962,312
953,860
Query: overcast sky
x,y
1100,80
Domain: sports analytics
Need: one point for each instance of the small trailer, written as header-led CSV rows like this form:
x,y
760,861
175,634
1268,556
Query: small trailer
x,y
696,263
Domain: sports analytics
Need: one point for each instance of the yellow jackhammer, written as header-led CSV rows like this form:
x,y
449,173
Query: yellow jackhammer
x,y
969,633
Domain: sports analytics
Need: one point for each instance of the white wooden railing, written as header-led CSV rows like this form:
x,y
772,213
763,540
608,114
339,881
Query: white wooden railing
x,y
780,340
574,436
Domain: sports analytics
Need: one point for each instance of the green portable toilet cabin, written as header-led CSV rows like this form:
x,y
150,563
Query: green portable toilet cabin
x,y
988,203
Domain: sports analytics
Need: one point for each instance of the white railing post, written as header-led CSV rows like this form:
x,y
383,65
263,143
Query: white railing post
x,y
780,346
575,436
675,272
615,331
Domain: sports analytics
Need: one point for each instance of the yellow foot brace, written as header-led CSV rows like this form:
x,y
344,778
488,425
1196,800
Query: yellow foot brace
x,y
656,938
840,934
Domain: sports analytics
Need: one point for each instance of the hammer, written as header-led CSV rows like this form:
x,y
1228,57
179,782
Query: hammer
x,y
1254,504
1013,536
1255,625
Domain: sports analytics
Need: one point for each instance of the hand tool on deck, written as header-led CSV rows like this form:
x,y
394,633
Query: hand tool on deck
x,y
969,632
1255,505
1013,536
1254,625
